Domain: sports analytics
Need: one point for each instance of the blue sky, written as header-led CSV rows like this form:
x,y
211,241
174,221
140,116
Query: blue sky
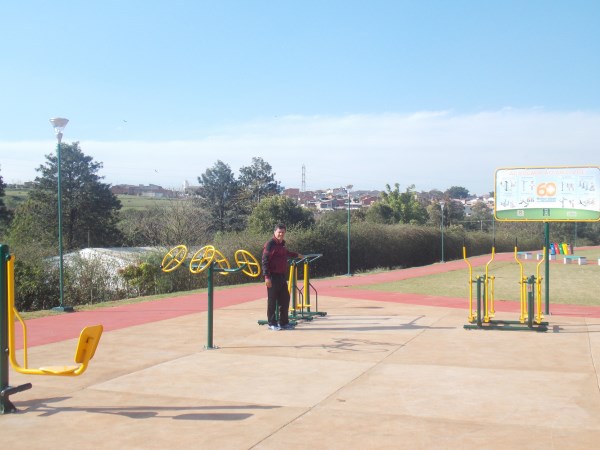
x,y
430,93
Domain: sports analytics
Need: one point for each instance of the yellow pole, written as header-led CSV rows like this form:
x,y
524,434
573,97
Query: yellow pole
x,y
471,317
522,281
486,317
306,288
538,282
290,286
12,313
492,310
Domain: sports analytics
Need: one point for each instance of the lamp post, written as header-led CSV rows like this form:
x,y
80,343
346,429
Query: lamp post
x,y
59,125
442,203
348,191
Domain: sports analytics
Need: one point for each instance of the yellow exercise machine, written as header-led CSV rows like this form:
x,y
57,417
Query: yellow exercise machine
x,y
488,289
484,311
301,297
86,347
526,285
208,257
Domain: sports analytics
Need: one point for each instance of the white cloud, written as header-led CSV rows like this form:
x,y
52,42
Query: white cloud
x,y
435,149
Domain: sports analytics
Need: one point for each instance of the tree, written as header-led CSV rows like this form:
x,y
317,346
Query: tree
x,y
382,213
180,221
275,209
453,212
481,217
220,195
89,208
405,206
458,192
258,181
3,210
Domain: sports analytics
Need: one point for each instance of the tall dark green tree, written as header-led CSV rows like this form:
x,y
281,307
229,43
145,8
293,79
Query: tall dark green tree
x,y
380,212
258,181
220,195
457,192
89,208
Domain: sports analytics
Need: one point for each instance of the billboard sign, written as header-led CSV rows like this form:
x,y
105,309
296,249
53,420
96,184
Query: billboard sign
x,y
546,194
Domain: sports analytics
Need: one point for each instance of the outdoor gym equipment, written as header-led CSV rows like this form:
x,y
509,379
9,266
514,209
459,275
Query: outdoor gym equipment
x,y
86,347
526,284
488,282
174,258
300,303
211,259
529,288
206,256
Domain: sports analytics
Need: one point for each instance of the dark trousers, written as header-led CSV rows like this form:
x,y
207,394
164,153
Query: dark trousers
x,y
278,298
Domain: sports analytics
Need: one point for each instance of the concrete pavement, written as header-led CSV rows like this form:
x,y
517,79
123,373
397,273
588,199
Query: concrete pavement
x,y
371,374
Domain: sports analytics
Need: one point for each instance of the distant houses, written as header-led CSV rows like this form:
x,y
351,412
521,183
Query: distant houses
x,y
319,201
332,199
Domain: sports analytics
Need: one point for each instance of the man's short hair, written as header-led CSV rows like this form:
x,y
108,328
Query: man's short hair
x,y
280,226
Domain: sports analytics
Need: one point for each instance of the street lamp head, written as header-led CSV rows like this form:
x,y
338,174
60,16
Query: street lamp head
x,y
442,203
59,125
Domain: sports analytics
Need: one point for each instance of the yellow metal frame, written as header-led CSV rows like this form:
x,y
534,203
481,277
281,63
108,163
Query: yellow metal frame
x,y
489,300
306,285
471,317
244,258
174,258
86,347
523,289
202,259
296,301
538,283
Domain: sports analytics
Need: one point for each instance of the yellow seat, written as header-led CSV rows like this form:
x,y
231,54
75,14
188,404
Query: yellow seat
x,y
86,347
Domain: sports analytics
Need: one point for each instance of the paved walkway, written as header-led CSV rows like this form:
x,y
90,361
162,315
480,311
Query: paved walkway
x,y
380,370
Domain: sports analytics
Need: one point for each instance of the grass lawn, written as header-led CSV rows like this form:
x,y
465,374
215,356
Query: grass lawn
x,y
139,202
13,197
569,283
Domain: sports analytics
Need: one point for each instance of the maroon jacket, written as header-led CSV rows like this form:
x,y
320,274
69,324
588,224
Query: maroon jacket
x,y
275,258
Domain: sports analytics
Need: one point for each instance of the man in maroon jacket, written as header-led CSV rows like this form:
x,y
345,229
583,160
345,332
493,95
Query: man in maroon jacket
x,y
275,268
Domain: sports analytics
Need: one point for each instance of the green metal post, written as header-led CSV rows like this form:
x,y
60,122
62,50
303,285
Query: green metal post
x,y
5,404
60,237
547,266
209,342
349,272
530,300
61,306
442,226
